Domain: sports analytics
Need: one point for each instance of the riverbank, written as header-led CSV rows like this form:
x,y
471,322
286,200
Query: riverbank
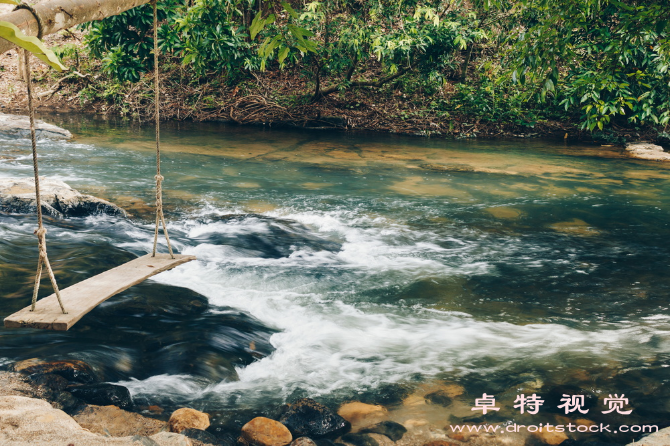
x,y
278,99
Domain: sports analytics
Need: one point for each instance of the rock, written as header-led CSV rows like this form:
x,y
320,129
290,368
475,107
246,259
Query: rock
x,y
50,380
660,438
391,429
110,420
359,440
552,438
263,431
17,126
186,418
441,398
72,370
307,418
358,413
103,395
67,403
28,422
303,441
171,439
202,436
17,196
144,441
647,151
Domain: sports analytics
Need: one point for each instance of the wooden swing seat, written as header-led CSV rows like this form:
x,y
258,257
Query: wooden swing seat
x,y
84,296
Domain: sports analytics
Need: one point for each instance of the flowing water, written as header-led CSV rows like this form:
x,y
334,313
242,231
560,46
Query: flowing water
x,y
356,267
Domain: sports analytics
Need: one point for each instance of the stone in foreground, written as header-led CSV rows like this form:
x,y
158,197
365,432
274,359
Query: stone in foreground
x,y
263,431
17,196
18,126
28,422
646,151
187,418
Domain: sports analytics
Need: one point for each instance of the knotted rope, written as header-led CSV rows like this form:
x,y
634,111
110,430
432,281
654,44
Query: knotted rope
x,y
41,231
160,218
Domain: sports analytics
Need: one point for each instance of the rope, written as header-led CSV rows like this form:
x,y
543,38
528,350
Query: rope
x,y
160,218
41,231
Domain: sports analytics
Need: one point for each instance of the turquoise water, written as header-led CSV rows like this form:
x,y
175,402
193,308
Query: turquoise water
x,y
356,266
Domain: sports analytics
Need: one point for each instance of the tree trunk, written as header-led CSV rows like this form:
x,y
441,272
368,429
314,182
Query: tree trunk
x,y
56,15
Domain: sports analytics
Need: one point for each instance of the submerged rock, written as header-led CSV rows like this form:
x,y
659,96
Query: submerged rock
x,y
186,418
360,440
440,397
263,431
307,418
71,369
647,151
391,429
18,126
103,395
17,196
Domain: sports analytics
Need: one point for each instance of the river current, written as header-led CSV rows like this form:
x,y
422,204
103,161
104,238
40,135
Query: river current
x,y
347,266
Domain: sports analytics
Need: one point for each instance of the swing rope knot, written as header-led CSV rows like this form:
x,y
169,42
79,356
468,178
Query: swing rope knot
x,y
159,178
40,232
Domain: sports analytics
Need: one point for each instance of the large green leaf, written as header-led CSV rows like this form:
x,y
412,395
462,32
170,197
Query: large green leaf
x,y
10,32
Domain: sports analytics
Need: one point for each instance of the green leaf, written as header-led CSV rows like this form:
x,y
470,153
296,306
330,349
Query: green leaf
x,y
9,31
10,2
290,10
257,24
282,54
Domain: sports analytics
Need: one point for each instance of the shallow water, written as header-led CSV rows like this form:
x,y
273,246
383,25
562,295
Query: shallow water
x,y
356,266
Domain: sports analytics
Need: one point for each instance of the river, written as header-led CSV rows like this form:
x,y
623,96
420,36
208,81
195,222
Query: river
x,y
346,266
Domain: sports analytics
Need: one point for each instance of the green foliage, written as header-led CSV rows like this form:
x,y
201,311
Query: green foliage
x,y
212,39
602,58
125,42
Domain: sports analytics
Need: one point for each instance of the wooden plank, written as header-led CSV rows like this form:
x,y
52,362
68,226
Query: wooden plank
x,y
84,296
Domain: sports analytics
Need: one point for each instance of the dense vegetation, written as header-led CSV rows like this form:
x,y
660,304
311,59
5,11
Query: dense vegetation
x,y
599,63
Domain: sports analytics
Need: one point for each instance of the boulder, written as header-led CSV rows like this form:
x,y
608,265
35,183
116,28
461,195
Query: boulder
x,y
71,369
358,413
186,418
307,418
110,420
103,395
29,421
263,431
18,126
647,151
17,196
